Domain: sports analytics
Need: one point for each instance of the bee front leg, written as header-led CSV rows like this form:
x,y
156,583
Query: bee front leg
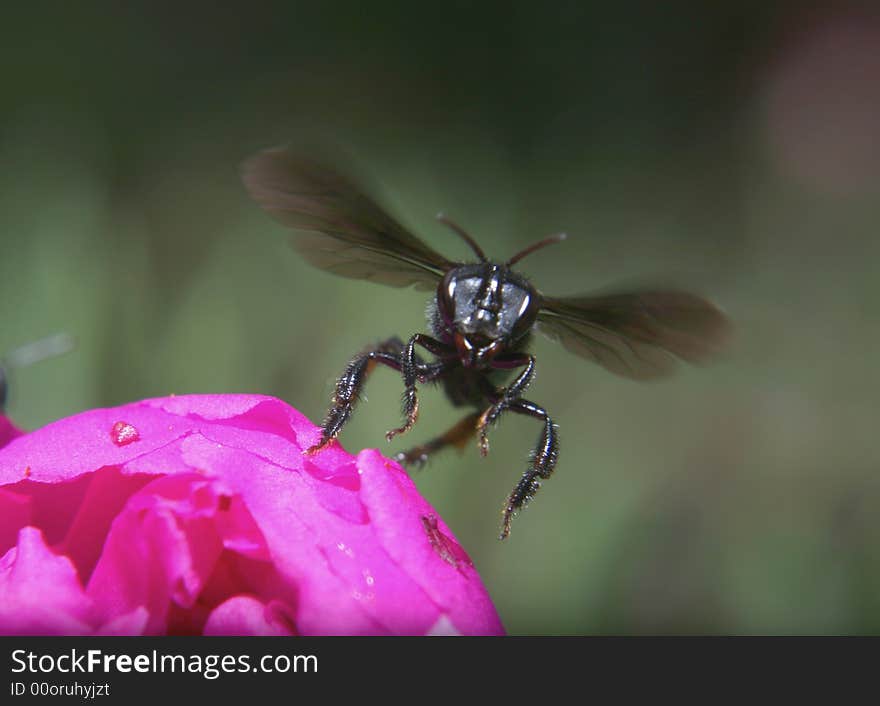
x,y
349,385
543,461
503,399
415,370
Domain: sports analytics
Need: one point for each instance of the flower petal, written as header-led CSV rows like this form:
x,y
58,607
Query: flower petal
x,y
201,513
246,615
41,592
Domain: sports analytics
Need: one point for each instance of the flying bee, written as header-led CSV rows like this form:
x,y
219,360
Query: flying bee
x,y
481,317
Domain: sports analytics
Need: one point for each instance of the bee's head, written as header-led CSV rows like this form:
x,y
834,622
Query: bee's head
x,y
485,307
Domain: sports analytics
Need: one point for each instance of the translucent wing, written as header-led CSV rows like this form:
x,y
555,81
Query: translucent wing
x,y
341,229
637,335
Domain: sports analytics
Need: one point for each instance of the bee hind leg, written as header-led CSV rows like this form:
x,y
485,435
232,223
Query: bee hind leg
x,y
457,436
542,462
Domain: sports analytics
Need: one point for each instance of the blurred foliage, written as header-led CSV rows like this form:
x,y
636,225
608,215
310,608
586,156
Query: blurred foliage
x,y
737,498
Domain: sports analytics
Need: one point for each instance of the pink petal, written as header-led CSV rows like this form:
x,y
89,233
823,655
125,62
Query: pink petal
x,y
161,549
134,623
204,515
41,592
246,615
15,513
397,513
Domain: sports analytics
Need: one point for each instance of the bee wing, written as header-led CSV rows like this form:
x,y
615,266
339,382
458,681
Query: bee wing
x,y
639,334
342,230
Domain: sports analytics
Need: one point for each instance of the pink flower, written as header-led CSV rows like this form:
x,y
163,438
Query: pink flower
x,y
199,514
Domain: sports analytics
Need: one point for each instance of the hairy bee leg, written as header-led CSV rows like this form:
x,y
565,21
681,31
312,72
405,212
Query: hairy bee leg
x,y
543,461
348,388
350,383
410,368
503,399
457,436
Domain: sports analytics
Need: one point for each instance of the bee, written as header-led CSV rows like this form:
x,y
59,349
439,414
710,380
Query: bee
x,y
481,317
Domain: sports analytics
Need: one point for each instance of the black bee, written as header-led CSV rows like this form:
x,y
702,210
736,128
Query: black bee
x,y
481,318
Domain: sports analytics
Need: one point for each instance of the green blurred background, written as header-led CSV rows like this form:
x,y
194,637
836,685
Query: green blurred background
x,y
732,148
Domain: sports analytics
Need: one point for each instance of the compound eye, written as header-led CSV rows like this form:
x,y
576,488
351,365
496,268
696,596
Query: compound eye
x,y
450,289
445,298
526,315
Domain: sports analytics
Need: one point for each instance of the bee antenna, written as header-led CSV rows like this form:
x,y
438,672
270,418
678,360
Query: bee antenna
x,y
551,240
464,235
